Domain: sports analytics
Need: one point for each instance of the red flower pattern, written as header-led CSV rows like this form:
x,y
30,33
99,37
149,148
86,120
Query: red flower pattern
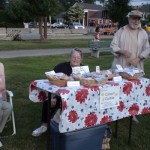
x,y
135,81
93,88
145,110
90,120
62,91
33,86
105,119
133,110
148,90
42,96
127,88
112,83
64,105
73,116
81,95
121,106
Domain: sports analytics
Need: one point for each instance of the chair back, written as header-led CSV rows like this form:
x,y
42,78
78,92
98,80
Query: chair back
x,y
2,82
3,93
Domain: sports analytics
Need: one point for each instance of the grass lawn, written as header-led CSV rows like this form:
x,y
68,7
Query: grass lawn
x,y
44,44
20,72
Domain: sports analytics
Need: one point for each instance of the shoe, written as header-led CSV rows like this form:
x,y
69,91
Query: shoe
x,y
39,131
134,120
1,145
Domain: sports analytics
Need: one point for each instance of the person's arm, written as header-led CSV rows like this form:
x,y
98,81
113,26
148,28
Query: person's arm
x,y
145,52
58,68
116,50
64,68
115,44
145,49
2,84
126,53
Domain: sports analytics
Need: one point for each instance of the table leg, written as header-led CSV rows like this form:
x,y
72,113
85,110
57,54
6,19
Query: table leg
x,y
130,129
116,129
48,126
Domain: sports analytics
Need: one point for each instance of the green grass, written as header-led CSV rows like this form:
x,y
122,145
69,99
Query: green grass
x,y
20,72
44,44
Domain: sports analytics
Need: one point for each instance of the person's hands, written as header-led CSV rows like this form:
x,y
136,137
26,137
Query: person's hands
x,y
135,62
126,53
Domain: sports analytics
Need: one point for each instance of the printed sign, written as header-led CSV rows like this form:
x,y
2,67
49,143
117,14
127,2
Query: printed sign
x,y
73,83
117,79
119,67
97,69
80,70
109,97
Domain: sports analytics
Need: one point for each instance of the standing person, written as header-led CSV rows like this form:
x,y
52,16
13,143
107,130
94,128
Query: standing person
x,y
97,34
130,45
66,68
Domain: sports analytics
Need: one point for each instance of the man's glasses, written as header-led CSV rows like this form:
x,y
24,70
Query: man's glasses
x,y
136,18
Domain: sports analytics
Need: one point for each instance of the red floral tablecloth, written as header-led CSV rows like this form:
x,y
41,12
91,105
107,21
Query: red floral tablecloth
x,y
80,105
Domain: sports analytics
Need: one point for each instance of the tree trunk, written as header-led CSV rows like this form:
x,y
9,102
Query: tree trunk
x,y
40,27
45,27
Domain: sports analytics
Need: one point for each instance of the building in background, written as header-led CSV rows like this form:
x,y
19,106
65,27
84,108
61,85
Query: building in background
x,y
94,14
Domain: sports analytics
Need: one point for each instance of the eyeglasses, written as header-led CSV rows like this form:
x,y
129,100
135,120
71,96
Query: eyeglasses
x,y
77,58
136,18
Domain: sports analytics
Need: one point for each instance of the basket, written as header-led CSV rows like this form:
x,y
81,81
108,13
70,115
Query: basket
x,y
56,81
125,75
110,76
91,82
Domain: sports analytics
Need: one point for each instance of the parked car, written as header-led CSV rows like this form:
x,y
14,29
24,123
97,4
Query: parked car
x,y
76,25
32,25
48,24
59,25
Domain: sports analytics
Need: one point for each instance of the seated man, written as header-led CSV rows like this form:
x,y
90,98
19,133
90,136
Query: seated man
x,y
66,68
5,109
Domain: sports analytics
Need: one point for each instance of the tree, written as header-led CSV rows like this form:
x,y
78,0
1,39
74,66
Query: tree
x,y
2,4
69,3
40,10
103,2
89,1
15,11
118,10
75,13
147,16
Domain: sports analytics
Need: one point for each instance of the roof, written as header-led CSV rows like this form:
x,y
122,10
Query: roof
x,y
97,14
60,15
90,6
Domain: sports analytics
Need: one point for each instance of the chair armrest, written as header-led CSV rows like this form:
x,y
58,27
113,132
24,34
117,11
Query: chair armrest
x,y
10,93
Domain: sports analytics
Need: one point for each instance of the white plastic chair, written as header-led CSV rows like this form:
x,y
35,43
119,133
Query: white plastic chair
x,y
6,95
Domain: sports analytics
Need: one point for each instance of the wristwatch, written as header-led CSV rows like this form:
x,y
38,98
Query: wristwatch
x,y
141,58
